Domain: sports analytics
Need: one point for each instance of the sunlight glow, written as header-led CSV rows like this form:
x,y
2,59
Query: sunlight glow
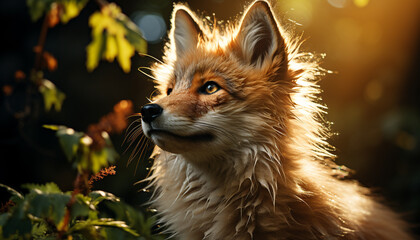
x,y
361,3
300,11
86,140
70,131
105,135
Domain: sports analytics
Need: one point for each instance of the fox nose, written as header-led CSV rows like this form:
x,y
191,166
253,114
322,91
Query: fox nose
x,y
150,112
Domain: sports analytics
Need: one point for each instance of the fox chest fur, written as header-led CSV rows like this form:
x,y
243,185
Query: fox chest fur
x,y
241,150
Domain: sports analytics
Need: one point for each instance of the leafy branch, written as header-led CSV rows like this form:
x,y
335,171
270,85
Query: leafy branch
x,y
46,212
114,36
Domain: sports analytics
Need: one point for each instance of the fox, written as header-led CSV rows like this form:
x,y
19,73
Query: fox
x,y
241,145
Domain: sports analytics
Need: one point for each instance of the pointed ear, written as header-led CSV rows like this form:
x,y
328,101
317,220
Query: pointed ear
x,y
185,30
258,38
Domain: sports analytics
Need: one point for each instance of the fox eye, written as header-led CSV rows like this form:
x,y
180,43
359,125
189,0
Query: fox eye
x,y
168,91
209,88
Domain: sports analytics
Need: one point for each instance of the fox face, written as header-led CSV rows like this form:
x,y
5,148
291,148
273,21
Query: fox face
x,y
219,90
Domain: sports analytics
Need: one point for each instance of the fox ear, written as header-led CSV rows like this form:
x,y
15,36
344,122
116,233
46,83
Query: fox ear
x,y
259,37
185,31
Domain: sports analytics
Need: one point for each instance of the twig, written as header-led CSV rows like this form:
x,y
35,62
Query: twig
x,y
78,187
39,48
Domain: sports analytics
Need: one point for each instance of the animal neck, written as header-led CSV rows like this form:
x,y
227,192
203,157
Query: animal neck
x,y
250,169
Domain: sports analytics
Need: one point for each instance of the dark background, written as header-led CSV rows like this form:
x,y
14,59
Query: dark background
x,y
372,48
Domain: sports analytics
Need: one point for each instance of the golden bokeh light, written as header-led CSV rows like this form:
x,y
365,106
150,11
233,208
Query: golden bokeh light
x,y
361,3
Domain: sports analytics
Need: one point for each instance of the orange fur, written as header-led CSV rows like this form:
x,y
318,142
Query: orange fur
x,y
250,160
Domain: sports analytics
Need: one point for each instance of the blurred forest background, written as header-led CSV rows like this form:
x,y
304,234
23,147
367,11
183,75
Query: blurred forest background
x,y
373,94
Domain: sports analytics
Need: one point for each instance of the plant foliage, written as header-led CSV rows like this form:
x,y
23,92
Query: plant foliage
x,y
45,211
48,213
65,9
114,35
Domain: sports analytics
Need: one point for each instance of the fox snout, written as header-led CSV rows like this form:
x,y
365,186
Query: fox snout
x,y
174,132
150,112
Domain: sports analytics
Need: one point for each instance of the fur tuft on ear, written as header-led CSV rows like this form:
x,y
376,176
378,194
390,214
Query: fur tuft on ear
x,y
185,30
258,37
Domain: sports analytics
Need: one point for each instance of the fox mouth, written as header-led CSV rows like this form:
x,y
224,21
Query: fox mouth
x,y
203,137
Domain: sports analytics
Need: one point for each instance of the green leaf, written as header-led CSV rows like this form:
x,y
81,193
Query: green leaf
x,y
117,234
80,210
50,187
137,41
37,8
52,96
89,232
12,191
134,218
49,206
99,196
58,206
45,201
83,159
133,34
70,8
16,225
69,141
27,220
3,218
99,160
76,146
39,230
102,222
68,138
95,160
82,206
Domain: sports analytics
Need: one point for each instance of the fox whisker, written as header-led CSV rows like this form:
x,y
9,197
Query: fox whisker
x,y
139,148
150,56
131,129
135,136
146,74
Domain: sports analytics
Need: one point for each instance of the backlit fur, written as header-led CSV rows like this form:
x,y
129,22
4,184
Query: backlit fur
x,y
250,160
